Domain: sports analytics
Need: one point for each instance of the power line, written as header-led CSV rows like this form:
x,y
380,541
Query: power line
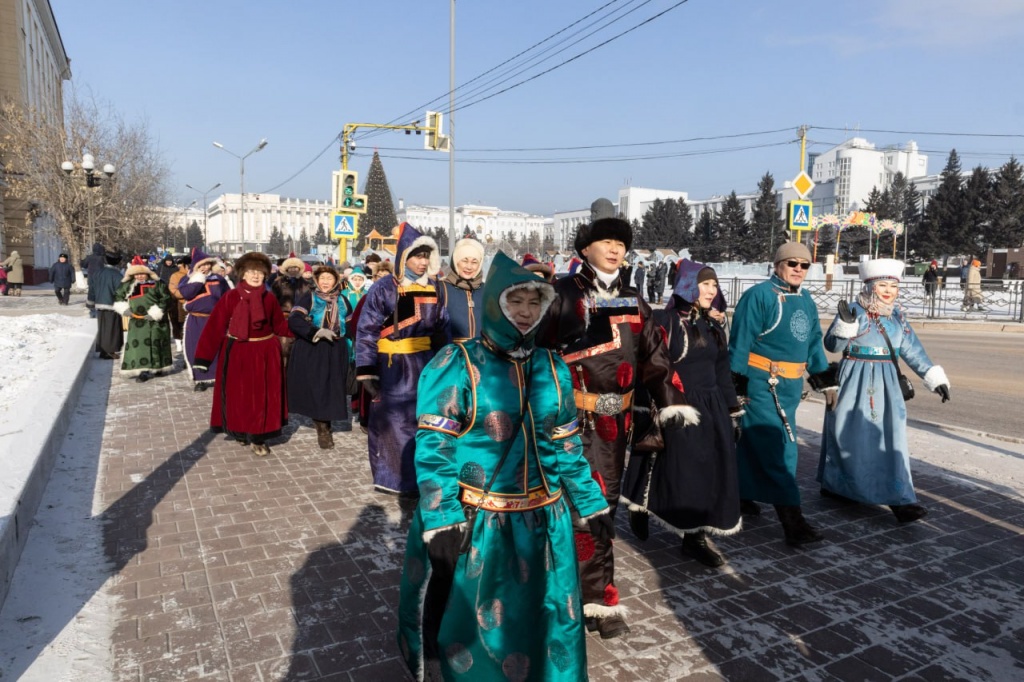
x,y
303,169
596,159
918,132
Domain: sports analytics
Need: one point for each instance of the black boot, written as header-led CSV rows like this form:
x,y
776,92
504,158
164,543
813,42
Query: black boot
x,y
906,513
697,546
639,523
323,435
611,627
749,508
798,532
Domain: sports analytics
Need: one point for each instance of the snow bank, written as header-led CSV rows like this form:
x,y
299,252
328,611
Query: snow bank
x,y
26,345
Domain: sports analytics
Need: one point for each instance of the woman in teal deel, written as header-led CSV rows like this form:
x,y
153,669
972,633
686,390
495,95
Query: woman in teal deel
x,y
490,589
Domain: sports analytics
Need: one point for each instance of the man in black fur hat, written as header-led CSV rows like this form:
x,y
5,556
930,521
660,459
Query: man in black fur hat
x,y
605,333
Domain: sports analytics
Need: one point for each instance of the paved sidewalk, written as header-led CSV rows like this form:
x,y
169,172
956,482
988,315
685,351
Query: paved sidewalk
x,y
230,567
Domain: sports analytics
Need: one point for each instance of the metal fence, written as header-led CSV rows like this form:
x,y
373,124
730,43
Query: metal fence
x,y
1003,299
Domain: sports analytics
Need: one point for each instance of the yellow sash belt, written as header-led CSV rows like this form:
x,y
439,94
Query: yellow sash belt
x,y
413,344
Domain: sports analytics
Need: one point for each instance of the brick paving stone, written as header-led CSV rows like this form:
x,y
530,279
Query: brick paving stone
x,y
231,567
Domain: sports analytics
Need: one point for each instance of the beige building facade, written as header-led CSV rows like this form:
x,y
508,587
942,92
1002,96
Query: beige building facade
x,y
33,68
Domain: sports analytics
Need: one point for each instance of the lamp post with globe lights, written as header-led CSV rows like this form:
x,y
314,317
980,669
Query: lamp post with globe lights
x,y
206,243
92,180
241,176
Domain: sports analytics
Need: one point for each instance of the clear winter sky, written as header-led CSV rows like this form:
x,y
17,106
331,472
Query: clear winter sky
x,y
296,71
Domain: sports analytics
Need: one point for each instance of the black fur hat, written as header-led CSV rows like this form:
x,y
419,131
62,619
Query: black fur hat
x,y
603,228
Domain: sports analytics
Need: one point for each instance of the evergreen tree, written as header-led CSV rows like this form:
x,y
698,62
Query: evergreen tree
x,y
942,230
321,235
706,245
304,245
873,204
666,224
1007,207
978,209
193,236
765,223
276,243
380,209
178,239
733,229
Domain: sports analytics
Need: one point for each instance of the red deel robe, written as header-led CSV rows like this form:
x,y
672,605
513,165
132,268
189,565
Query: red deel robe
x,y
249,400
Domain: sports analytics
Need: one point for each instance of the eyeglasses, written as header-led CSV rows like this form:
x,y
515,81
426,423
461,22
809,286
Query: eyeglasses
x,y
797,264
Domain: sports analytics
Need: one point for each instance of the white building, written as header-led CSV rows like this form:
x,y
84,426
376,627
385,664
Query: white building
x,y
632,204
487,223
846,174
227,233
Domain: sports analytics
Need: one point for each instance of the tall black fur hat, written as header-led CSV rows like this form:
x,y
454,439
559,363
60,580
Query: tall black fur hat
x,y
604,228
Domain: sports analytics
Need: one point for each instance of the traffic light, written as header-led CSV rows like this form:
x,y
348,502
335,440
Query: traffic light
x,y
434,139
350,200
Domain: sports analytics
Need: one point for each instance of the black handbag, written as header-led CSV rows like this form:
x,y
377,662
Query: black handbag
x,y
906,388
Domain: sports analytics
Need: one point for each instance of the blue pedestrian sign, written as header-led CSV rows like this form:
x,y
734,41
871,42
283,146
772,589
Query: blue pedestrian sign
x,y
800,214
345,225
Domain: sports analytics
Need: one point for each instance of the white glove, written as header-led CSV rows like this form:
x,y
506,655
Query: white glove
x,y
326,334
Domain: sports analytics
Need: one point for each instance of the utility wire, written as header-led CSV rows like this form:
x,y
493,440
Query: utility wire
x,y
918,132
303,169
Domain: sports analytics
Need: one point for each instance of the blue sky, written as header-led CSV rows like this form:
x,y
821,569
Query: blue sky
x,y
295,72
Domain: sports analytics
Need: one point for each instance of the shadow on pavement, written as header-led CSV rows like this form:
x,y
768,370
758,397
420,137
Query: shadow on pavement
x,y
936,599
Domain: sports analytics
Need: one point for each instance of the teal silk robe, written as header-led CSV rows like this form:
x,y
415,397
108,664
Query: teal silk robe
x,y
514,609
781,325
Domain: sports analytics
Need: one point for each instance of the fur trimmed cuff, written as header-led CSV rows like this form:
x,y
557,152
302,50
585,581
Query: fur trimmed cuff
x,y
121,307
429,535
602,611
196,277
845,330
683,415
155,312
581,524
935,377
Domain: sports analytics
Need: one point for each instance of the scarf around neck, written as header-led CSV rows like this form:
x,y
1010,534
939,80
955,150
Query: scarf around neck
x,y
249,312
325,309
455,279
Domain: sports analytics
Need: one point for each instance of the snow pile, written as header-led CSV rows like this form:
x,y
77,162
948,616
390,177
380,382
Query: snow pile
x,y
26,345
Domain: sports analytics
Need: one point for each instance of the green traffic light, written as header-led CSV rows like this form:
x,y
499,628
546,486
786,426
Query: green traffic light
x,y
349,190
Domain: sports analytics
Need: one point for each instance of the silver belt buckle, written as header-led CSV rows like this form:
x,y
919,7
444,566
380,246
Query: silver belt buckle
x,y
608,404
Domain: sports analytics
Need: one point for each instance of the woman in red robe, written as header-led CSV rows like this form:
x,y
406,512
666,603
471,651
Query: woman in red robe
x,y
249,401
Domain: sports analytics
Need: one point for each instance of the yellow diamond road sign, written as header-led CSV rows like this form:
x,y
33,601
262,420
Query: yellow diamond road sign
x,y
803,184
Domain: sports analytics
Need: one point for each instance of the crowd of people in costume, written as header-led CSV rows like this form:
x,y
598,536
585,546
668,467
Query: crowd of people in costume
x,y
511,414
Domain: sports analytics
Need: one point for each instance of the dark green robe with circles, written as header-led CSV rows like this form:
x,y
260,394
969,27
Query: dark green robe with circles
x,y
148,346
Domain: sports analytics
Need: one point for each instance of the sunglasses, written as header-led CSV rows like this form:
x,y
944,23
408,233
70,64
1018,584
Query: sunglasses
x,y
797,264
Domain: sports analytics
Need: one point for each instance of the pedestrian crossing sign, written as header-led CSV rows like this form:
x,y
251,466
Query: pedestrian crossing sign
x,y
345,225
800,214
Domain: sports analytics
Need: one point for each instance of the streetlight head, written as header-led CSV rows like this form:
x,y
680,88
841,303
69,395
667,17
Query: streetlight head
x,y
108,170
263,143
191,187
67,167
218,145
214,187
88,162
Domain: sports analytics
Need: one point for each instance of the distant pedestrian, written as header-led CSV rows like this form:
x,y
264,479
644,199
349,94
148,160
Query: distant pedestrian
x,y
865,456
318,368
176,309
660,279
638,279
109,326
200,291
288,286
15,273
92,264
931,280
143,298
462,289
965,268
62,276
973,298
248,397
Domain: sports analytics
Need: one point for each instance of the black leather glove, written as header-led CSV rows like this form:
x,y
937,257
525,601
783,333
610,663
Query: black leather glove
x,y
740,381
846,314
602,527
443,548
827,379
372,386
943,390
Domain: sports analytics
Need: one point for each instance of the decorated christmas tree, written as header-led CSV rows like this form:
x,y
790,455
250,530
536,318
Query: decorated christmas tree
x,y
380,209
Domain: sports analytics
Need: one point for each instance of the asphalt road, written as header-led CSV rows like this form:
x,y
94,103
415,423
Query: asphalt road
x,y
986,372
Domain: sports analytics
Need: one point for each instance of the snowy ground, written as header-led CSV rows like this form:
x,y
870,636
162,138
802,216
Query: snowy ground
x,y
26,344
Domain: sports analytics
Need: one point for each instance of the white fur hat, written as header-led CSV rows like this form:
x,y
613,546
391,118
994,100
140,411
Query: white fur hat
x,y
881,268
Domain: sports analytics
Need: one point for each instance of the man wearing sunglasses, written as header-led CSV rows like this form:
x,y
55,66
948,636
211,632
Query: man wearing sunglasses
x,y
776,337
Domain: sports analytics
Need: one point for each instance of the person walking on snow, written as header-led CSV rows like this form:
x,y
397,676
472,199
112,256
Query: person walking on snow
x,y
62,276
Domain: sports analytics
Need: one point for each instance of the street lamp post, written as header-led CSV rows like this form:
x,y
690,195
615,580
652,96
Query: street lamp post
x,y
88,166
206,235
241,175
